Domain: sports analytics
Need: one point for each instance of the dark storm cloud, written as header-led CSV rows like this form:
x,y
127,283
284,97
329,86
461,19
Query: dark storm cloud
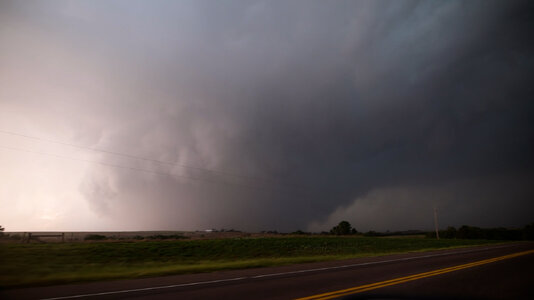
x,y
322,106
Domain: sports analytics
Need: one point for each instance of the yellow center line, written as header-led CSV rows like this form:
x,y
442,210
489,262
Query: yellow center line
x,y
376,285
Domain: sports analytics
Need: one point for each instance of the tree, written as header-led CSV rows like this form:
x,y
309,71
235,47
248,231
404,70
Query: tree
x,y
2,230
450,233
528,232
343,228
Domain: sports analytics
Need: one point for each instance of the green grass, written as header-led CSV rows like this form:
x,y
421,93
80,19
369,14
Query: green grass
x,y
40,264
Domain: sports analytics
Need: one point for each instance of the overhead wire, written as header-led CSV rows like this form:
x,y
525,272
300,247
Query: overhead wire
x,y
130,156
147,171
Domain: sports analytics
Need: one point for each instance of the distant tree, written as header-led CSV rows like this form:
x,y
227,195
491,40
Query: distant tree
x,y
94,237
372,233
450,233
465,232
499,233
469,232
528,232
343,228
2,230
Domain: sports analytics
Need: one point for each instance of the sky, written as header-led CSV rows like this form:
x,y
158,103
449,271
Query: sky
x,y
265,115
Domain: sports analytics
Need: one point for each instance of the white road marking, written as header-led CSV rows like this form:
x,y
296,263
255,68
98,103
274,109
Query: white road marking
x,y
275,274
147,289
373,262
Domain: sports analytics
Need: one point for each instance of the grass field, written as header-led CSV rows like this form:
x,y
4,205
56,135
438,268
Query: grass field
x,y
50,263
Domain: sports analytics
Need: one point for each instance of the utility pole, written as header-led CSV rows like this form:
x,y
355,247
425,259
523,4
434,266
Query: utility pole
x,y
436,222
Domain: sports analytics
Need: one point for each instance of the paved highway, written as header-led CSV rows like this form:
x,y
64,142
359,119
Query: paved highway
x,y
486,272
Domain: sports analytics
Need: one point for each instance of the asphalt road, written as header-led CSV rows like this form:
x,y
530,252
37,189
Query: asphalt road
x,y
467,273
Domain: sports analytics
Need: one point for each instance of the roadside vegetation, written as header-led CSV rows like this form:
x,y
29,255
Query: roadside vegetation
x,y
472,232
50,263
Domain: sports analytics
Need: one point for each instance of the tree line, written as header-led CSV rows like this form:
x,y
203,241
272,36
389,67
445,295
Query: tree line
x,y
473,232
463,232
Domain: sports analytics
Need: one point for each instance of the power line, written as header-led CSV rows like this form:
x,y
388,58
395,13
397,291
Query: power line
x,y
225,173
142,170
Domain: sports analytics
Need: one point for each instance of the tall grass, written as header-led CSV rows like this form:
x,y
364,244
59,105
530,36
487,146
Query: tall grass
x,y
26,264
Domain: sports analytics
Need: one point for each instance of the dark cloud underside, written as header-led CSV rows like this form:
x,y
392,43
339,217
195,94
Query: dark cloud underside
x,y
374,111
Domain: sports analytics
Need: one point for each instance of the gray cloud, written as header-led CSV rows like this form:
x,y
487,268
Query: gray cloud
x,y
322,108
